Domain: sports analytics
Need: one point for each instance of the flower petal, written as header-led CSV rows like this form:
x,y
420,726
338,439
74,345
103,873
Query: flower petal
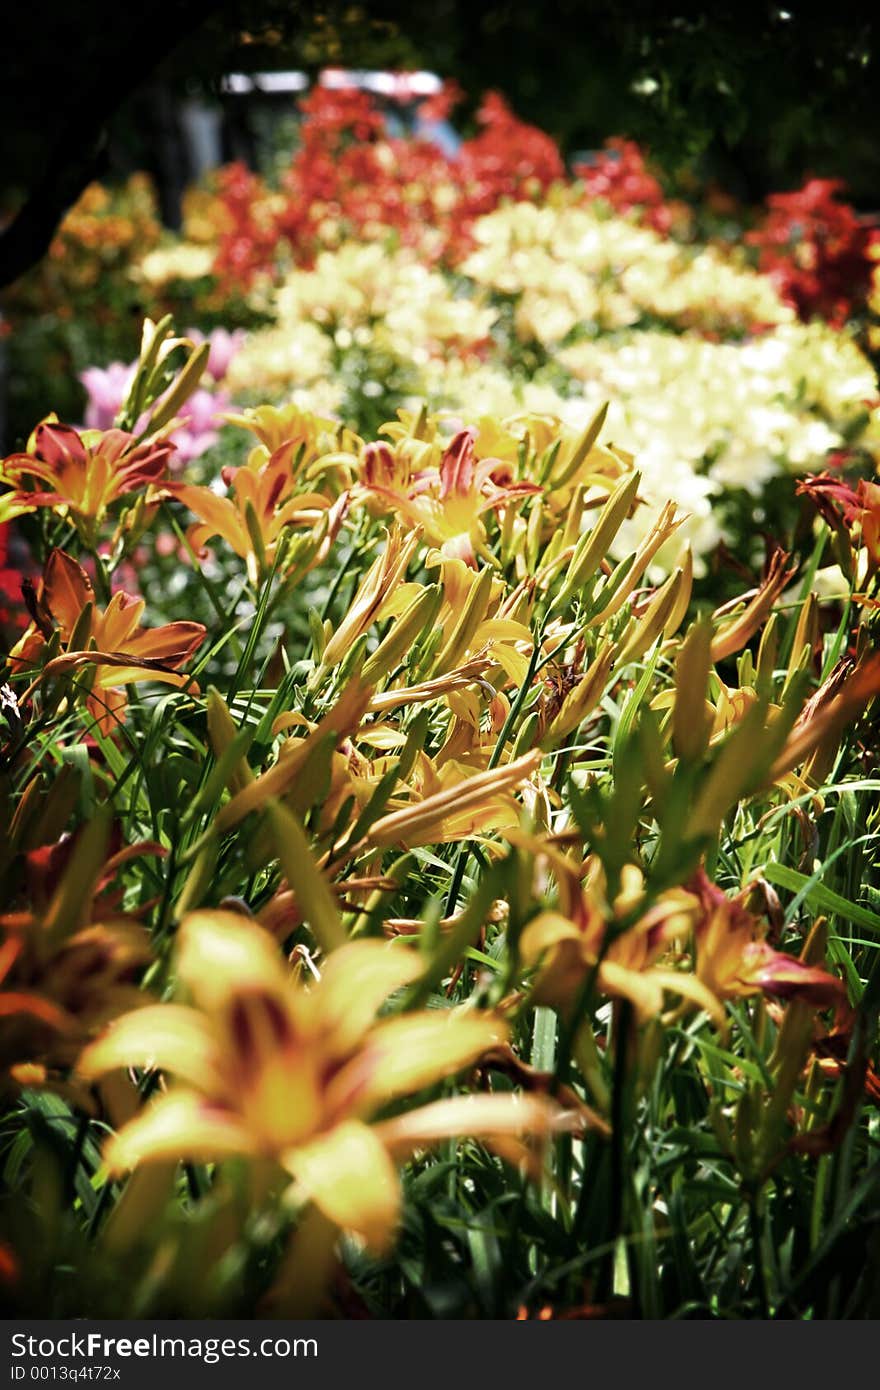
x,y
545,931
220,954
349,1174
66,589
180,1126
405,1054
357,979
171,1036
477,1117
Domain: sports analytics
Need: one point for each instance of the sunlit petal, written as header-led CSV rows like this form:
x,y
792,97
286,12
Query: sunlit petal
x,y
172,1037
405,1054
348,1173
356,980
180,1125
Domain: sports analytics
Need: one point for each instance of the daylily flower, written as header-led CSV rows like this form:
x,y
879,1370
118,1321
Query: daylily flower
x,y
351,772
733,959
266,1068
68,963
385,469
309,433
619,941
476,621
112,642
462,806
261,504
448,504
84,472
382,581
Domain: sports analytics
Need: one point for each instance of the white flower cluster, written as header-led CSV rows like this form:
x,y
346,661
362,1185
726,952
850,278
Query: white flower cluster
x,y
568,267
706,410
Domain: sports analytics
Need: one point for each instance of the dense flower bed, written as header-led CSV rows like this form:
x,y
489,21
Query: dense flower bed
x,y
557,307
428,873
438,747
383,272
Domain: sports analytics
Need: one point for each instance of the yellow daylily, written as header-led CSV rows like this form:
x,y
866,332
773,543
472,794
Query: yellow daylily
x,y
259,507
570,943
463,805
266,1067
379,585
309,434
448,502
476,622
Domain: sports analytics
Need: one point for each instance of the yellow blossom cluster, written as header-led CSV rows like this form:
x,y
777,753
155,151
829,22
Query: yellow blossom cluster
x,y
567,268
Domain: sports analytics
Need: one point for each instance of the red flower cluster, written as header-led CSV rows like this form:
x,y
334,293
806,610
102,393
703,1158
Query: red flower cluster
x,y
349,178
622,179
248,232
11,610
508,159
817,251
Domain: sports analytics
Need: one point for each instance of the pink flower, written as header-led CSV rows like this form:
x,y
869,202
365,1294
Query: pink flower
x,y
199,430
107,388
224,347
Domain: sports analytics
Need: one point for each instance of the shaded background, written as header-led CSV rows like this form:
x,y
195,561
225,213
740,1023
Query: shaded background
x,y
756,95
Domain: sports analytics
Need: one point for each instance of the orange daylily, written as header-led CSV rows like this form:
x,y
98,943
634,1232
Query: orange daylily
x,y
112,642
266,1067
734,960
261,504
84,472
